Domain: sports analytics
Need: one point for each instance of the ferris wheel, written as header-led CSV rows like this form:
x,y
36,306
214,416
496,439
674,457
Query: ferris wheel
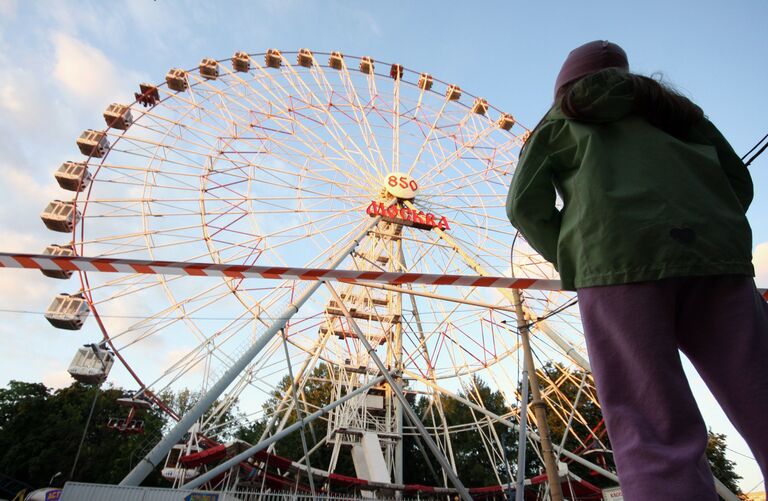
x,y
312,160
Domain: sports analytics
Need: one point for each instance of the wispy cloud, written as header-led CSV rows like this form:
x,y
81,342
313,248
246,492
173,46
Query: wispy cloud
x,y
86,73
8,8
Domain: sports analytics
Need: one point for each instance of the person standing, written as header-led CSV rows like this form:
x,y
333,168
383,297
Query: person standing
x,y
652,235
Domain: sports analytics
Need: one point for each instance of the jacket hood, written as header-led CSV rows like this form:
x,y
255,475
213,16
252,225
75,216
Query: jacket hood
x,y
604,96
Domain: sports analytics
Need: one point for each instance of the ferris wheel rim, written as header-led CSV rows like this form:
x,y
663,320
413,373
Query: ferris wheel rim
x,y
346,67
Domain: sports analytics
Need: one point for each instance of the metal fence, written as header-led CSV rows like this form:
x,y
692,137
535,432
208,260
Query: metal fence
x,y
78,491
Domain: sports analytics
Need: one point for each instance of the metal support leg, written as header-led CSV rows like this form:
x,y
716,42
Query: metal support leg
x,y
158,453
407,410
522,441
538,405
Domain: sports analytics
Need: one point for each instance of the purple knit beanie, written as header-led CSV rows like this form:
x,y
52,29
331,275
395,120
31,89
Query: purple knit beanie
x,y
589,58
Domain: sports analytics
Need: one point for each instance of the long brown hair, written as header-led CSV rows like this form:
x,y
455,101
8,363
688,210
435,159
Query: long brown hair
x,y
660,105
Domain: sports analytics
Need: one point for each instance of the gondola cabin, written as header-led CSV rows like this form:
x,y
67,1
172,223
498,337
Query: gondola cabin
x,y
209,69
480,106
68,311
173,469
93,143
273,58
425,81
60,216
336,60
58,250
304,58
506,121
118,116
241,61
91,364
453,93
366,65
73,176
177,80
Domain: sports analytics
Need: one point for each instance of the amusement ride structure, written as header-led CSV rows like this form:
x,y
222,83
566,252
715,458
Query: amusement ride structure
x,y
317,162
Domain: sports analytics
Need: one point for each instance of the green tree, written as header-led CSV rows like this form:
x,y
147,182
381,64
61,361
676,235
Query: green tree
x,y
473,463
222,428
40,430
722,467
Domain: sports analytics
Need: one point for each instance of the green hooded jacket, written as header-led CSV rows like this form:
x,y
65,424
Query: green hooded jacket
x,y
638,204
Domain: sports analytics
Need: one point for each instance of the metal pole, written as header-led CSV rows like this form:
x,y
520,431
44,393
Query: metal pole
x,y
503,439
278,436
299,413
398,391
398,366
539,407
156,455
522,440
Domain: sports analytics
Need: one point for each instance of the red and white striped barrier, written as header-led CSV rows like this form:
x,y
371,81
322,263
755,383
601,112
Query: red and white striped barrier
x,y
112,265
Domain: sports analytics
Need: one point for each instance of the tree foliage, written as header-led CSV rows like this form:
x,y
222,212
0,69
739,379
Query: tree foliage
x,y
40,430
722,467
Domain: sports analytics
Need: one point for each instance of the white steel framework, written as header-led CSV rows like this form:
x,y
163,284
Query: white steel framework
x,y
322,161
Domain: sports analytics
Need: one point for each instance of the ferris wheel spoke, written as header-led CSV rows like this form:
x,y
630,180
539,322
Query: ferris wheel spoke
x,y
455,155
245,123
305,89
285,110
359,118
433,128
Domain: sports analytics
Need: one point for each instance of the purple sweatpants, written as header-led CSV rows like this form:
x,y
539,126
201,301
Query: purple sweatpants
x,y
633,334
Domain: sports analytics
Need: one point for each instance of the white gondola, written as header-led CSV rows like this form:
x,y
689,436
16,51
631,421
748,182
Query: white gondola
x,y
173,469
177,80
367,65
241,61
118,116
304,58
60,216
73,176
91,364
506,121
453,93
425,81
93,143
480,106
209,68
336,60
396,71
58,250
68,311
273,58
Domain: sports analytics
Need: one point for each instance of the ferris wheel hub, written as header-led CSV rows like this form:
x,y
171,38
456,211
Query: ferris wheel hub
x,y
401,185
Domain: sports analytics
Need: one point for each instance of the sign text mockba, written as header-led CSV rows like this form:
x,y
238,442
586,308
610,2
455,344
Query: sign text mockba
x,y
409,217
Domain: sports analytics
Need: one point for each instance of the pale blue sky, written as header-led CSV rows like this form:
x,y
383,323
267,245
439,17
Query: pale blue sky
x,y
63,62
